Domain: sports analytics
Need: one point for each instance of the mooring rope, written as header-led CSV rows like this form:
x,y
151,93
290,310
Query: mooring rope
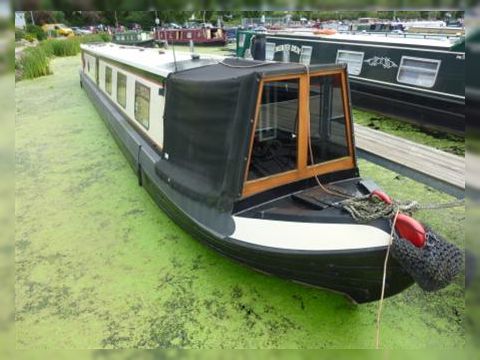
x,y
384,281
368,208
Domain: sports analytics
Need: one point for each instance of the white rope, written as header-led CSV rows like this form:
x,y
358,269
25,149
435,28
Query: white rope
x,y
384,280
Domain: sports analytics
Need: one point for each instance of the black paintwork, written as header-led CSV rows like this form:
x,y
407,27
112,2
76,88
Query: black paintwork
x,y
356,274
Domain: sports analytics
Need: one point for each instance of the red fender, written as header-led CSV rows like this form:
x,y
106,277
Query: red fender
x,y
411,229
382,196
406,226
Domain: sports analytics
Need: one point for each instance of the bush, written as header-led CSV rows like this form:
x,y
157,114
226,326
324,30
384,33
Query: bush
x,y
19,34
68,47
34,62
101,37
57,47
30,37
37,31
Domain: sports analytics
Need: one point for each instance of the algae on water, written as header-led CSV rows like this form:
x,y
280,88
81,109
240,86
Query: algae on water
x,y
451,143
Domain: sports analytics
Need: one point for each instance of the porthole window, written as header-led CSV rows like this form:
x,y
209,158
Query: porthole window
x,y
417,71
353,59
306,55
269,51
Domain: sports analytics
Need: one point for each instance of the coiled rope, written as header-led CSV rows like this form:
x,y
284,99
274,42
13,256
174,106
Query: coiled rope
x,y
367,208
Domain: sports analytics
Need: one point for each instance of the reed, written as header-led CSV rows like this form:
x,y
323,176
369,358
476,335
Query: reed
x,y
34,62
61,47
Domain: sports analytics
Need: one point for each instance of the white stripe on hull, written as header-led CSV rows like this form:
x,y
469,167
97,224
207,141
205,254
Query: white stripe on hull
x,y
291,235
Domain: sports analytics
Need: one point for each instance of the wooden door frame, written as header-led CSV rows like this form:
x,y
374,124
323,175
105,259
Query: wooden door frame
x,y
302,171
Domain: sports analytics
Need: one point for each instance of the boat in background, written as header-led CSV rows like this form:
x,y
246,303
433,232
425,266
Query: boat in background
x,y
419,80
134,38
214,36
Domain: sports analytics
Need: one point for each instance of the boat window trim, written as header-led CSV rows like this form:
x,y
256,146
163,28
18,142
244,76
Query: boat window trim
x,y
119,73
434,61
303,170
108,69
351,52
269,51
305,55
138,83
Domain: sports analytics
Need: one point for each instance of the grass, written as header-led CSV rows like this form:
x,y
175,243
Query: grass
x,y
447,142
99,265
35,62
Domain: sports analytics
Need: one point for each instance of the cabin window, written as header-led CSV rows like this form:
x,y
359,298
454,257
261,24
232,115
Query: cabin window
x,y
241,40
419,72
122,89
142,104
108,80
269,51
306,55
274,148
353,59
327,133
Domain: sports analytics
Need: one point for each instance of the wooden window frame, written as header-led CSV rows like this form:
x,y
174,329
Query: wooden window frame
x,y
140,84
303,170
123,106
109,70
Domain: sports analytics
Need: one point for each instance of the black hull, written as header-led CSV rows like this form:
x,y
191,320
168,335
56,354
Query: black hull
x,y
356,274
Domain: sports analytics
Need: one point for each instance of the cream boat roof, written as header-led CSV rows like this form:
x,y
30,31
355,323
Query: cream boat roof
x,y
153,60
391,39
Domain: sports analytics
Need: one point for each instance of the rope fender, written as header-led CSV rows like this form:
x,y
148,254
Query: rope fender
x,y
429,258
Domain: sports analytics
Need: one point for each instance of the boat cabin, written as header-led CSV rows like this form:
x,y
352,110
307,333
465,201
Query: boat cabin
x,y
234,126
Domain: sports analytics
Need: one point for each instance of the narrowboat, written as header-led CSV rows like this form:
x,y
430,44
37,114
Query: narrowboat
x,y
134,38
214,36
419,80
252,158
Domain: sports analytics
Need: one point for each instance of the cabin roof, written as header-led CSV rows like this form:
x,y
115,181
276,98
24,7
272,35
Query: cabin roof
x,y
234,68
391,40
155,61
206,68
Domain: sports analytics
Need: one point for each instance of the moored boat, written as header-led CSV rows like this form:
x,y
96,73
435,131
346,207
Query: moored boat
x,y
252,158
133,38
214,36
417,79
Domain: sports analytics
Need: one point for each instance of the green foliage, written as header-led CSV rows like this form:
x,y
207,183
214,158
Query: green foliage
x,y
100,37
19,34
67,47
37,31
30,37
34,62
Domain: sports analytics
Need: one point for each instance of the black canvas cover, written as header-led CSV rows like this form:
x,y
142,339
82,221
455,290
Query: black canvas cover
x,y
208,120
